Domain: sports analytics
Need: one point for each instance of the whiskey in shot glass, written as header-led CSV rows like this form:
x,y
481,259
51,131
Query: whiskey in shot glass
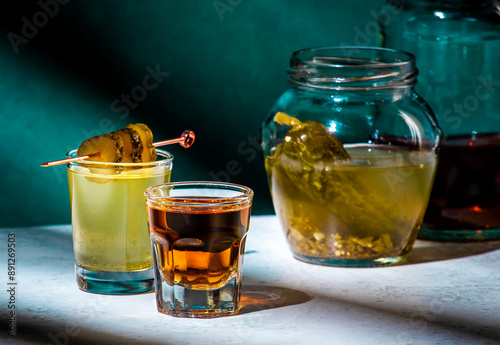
x,y
198,232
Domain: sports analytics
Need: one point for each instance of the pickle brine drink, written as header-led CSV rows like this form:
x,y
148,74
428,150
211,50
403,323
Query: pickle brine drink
x,y
109,217
107,177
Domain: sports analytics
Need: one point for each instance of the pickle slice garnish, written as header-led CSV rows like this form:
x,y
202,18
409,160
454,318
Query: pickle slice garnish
x,y
109,146
148,151
132,145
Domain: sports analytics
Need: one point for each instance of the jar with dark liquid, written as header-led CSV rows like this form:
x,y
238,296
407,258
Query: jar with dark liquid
x,y
457,45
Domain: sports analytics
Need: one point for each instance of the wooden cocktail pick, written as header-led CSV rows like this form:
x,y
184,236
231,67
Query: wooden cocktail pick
x,y
185,140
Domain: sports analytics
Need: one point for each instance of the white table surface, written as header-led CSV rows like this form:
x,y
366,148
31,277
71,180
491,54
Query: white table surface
x,y
445,293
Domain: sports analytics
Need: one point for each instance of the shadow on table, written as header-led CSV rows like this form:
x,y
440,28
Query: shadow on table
x,y
60,333
426,318
257,298
430,251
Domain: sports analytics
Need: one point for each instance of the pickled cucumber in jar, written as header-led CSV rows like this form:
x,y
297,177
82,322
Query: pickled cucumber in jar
x,y
340,203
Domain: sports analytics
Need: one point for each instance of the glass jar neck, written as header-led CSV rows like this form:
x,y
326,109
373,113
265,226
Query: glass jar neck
x,y
353,69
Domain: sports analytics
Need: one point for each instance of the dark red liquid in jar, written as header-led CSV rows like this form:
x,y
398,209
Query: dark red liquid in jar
x,y
466,191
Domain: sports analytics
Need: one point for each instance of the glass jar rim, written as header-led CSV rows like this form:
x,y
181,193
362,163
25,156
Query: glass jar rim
x,y
243,194
347,51
352,68
167,159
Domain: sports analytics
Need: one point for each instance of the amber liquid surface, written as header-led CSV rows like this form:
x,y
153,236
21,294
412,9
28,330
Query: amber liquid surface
x,y
198,247
466,192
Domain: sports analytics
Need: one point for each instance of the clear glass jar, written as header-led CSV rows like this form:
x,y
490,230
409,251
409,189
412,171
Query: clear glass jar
x,y
457,45
350,153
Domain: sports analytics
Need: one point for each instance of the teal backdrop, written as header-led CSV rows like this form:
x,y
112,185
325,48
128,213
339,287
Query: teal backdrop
x,y
74,69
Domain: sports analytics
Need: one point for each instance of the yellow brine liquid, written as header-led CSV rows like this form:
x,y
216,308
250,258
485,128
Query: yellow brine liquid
x,y
367,208
110,231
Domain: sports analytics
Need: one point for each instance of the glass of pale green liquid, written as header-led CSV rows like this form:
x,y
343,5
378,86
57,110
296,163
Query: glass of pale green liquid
x,y
109,222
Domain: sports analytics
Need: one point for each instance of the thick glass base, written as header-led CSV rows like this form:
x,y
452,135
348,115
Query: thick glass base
x,y
114,283
458,235
351,262
180,301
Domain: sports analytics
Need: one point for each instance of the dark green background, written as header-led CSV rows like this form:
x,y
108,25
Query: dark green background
x,y
226,62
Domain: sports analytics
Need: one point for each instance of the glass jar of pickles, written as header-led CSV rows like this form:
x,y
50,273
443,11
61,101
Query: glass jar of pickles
x,y
350,154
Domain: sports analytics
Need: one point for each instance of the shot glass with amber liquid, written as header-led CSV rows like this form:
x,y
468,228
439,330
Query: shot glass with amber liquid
x,y
198,232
